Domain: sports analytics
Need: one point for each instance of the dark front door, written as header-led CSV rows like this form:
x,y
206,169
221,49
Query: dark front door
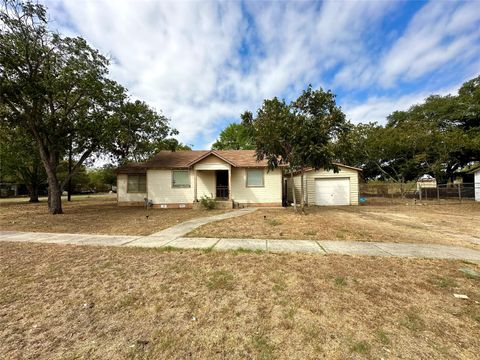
x,y
222,184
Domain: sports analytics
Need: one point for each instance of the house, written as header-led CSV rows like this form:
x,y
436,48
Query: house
x,y
326,187
233,177
475,170
179,179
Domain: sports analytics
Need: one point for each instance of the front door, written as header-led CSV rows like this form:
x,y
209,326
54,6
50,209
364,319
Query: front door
x,y
222,184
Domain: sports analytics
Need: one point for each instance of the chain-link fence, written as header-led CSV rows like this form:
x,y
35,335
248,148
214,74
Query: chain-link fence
x,y
375,193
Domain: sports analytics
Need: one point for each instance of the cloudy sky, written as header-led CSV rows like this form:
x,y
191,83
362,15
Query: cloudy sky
x,y
204,63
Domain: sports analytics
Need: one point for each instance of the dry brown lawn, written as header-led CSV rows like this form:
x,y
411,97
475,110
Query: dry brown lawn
x,y
92,215
457,224
69,302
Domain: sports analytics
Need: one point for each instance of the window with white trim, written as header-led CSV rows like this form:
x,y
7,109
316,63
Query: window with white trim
x,y
180,179
255,178
136,184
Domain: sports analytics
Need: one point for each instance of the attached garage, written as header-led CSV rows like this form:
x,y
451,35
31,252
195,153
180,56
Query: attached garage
x,y
327,188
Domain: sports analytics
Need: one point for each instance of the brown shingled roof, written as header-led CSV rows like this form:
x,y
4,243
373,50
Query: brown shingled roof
x,y
186,159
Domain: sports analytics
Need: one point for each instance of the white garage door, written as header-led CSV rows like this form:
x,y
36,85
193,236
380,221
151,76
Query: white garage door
x,y
334,191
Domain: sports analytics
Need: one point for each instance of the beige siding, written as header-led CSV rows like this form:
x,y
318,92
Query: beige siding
x,y
122,195
270,193
206,182
309,179
212,162
160,190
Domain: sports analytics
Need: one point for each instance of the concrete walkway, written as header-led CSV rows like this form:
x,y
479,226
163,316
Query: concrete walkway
x,y
321,247
182,229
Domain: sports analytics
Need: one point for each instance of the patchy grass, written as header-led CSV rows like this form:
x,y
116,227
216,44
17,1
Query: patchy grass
x,y
361,347
94,214
457,224
66,302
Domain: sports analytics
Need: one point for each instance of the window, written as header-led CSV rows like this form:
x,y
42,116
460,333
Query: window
x,y
255,178
137,184
180,179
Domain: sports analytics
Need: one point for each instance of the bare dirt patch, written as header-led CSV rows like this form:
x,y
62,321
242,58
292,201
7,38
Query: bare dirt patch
x,y
442,224
93,215
85,302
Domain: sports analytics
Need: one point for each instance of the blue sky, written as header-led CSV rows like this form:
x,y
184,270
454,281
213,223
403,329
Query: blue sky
x,y
204,63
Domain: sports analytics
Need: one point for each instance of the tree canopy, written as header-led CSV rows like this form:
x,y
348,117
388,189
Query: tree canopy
x,y
56,90
438,137
299,135
234,137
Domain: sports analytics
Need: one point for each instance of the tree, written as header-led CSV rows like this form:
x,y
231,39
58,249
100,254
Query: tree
x,y
56,89
300,135
274,136
19,160
438,137
234,137
139,132
319,123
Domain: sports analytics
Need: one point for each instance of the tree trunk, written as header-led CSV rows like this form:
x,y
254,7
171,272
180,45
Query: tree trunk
x,y
33,192
54,197
293,192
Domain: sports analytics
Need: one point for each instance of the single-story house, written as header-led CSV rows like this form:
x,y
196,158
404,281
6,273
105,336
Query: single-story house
x,y
234,177
326,188
179,179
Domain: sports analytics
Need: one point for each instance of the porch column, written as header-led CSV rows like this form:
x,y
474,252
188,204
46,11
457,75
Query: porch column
x,y
195,185
230,183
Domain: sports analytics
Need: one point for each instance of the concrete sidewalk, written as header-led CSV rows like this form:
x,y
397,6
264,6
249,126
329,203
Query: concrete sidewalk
x,y
321,247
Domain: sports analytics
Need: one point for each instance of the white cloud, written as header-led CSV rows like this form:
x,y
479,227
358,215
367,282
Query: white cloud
x,y
185,58
377,108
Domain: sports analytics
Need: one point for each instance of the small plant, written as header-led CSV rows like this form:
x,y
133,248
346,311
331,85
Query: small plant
x,y
361,347
445,282
273,222
263,347
383,337
413,321
340,281
207,203
221,280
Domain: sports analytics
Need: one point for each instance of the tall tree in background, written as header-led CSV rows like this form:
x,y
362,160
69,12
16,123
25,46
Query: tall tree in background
x,y
19,160
439,136
234,137
139,132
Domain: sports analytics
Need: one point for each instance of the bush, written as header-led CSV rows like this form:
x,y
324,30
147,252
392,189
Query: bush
x,y
207,202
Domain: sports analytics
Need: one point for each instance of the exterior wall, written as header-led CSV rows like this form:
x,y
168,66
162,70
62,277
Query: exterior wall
x,y
160,190
270,193
212,162
206,182
125,198
477,185
309,180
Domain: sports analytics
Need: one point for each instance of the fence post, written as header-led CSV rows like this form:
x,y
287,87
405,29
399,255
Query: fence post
x,y
420,192
459,193
438,194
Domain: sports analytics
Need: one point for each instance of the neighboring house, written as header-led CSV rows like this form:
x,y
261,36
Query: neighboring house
x,y
179,179
475,170
326,187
